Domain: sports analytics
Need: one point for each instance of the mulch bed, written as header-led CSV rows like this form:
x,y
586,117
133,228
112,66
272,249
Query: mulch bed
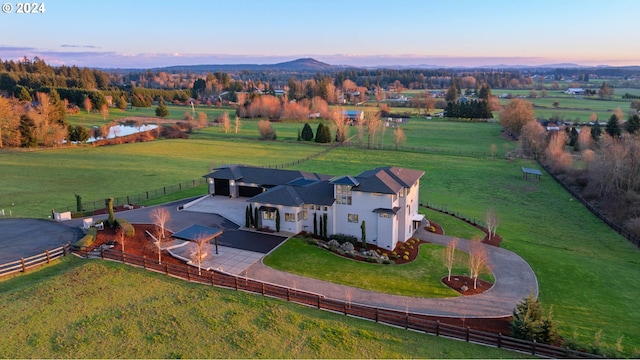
x,y
140,244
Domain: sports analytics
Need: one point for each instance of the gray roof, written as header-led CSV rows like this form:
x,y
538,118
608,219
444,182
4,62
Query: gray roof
x,y
319,192
345,180
262,176
387,180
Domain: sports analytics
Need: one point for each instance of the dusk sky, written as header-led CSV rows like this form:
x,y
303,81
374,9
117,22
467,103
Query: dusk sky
x,y
141,33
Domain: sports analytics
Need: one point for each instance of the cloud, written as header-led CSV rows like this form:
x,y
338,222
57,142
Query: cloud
x,y
80,46
89,56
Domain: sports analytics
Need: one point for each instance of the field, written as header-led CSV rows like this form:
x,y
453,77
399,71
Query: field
x,y
101,309
586,272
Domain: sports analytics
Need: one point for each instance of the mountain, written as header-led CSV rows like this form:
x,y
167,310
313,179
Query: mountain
x,y
298,65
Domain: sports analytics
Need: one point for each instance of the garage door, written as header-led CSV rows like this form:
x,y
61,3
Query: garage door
x,y
221,187
249,191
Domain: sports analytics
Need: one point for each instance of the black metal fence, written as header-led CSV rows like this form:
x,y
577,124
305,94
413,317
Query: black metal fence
x,y
617,228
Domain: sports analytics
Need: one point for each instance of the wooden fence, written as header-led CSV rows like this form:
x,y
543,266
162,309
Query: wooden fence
x,y
406,320
27,263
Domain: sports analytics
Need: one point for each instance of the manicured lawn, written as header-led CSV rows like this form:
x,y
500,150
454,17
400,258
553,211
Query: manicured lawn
x,y
99,309
587,272
176,112
419,278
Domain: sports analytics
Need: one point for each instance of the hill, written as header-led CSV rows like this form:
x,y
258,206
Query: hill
x,y
298,65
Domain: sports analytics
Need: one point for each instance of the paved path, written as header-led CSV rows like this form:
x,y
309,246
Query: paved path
x,y
514,280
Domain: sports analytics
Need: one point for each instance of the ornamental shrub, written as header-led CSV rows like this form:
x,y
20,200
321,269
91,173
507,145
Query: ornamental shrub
x,y
129,230
405,257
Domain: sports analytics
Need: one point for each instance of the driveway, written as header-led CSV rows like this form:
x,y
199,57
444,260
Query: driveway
x,y
27,237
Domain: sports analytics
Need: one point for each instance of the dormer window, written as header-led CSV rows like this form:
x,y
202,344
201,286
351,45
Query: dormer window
x,y
343,194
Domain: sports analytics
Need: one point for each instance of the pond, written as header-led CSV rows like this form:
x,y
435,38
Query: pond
x,y
124,130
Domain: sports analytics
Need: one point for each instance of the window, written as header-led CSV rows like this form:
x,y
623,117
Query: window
x,y
299,215
353,218
290,217
325,209
343,194
312,207
305,206
268,215
401,193
305,215
385,215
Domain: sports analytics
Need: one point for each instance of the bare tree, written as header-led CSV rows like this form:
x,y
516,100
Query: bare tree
x,y
533,139
492,221
199,253
478,261
374,126
399,137
202,119
160,217
87,104
121,236
238,124
266,130
104,111
429,101
516,114
225,122
450,256
9,123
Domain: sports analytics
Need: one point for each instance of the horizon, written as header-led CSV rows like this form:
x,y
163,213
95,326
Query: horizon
x,y
147,34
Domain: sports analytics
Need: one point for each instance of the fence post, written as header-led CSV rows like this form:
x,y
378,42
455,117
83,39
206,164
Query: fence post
x,y
376,314
437,327
262,288
468,334
533,348
236,282
64,249
406,321
48,259
499,340
288,295
144,262
123,258
213,274
24,268
101,253
166,268
188,273
318,301
147,195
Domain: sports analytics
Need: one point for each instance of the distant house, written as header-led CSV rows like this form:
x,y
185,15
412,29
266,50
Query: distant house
x,y
355,116
574,91
279,92
386,199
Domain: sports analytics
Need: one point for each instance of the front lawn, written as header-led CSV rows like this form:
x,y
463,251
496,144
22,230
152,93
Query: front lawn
x,y
420,278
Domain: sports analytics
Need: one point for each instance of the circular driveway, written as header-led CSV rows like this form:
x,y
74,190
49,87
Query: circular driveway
x,y
27,237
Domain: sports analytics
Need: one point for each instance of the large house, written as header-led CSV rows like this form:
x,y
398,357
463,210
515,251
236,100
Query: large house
x,y
386,199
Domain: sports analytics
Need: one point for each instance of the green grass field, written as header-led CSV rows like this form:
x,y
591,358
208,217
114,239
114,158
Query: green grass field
x,y
99,309
419,278
589,274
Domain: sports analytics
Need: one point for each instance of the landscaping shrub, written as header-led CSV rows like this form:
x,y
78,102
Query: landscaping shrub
x,y
311,241
87,240
347,246
342,238
333,244
405,257
128,229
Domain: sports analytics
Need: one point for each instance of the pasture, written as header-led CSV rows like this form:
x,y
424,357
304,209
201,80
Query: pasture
x,y
100,309
587,272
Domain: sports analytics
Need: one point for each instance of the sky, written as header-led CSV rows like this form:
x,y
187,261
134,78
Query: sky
x,y
147,34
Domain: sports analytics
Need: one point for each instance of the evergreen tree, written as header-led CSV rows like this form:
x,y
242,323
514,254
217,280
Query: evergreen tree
x,y
528,323
161,110
112,217
363,228
27,138
315,224
596,131
307,133
633,124
321,227
573,136
277,220
485,92
613,126
323,134
325,224
255,217
247,217
452,93
22,93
